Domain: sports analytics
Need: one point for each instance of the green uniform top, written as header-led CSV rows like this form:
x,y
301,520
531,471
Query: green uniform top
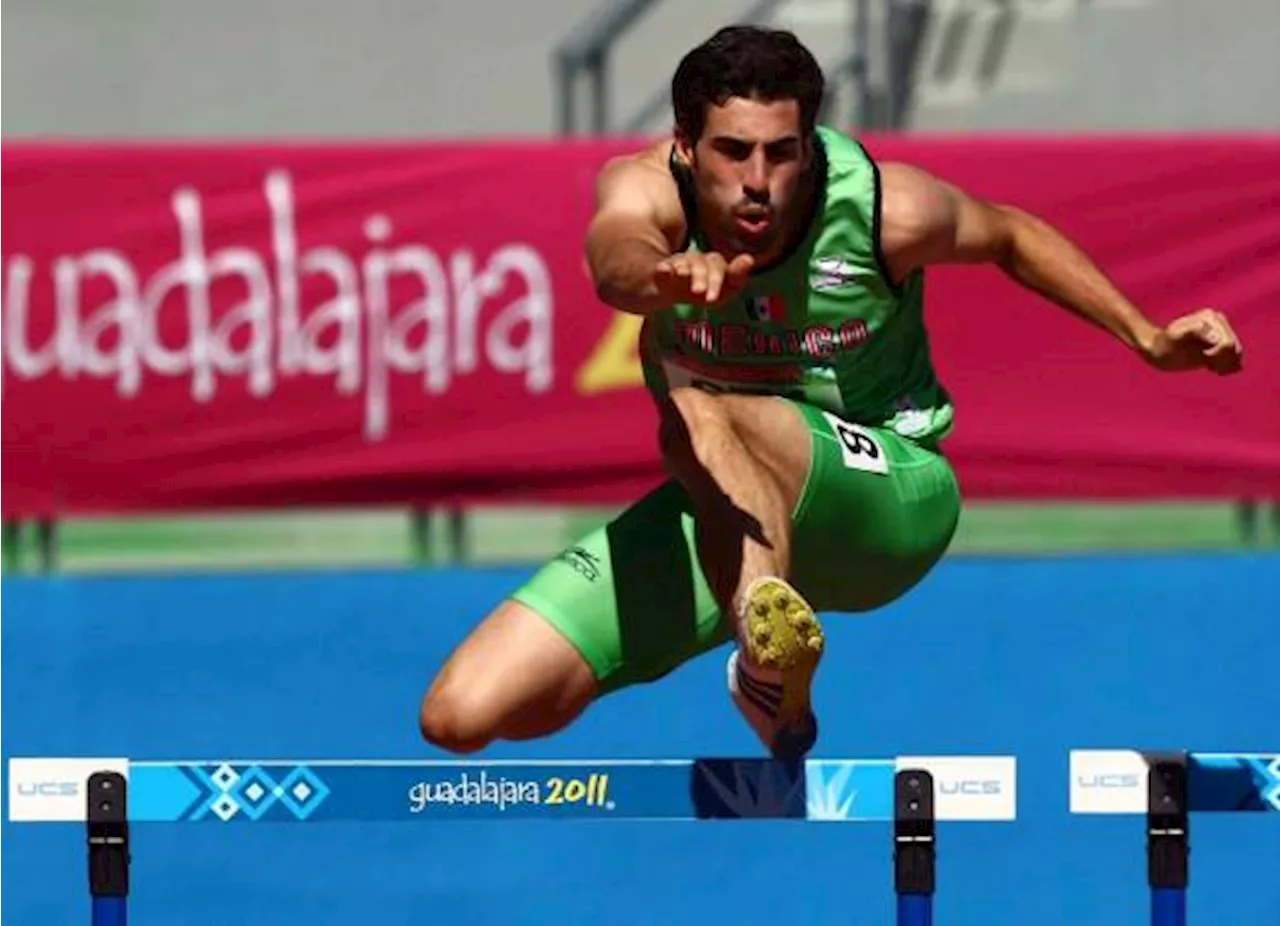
x,y
824,324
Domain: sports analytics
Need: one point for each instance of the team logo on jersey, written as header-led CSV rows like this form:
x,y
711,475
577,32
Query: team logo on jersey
x,y
737,340
832,273
769,308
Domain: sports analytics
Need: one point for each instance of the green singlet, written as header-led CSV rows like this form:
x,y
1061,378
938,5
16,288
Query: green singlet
x,y
825,328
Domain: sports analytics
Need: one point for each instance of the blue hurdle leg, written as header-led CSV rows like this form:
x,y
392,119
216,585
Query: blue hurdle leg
x,y
110,911
915,910
1168,906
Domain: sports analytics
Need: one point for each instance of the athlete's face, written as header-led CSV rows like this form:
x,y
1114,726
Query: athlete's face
x,y
747,167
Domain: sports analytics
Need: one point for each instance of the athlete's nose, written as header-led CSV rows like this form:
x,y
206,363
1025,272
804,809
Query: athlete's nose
x,y
755,180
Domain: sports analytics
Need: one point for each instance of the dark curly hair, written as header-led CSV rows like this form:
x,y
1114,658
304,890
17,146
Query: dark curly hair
x,y
748,62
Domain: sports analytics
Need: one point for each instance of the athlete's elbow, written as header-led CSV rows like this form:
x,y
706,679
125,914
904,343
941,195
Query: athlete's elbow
x,y
609,285
624,297
1008,235
608,291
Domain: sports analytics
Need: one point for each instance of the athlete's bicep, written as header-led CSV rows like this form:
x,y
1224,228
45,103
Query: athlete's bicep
x,y
928,221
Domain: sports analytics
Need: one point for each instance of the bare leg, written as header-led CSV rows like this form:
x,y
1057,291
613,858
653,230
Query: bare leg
x,y
515,677
743,460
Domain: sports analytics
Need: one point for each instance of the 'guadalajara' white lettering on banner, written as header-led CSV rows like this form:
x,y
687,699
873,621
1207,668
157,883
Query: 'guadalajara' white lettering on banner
x,y
244,313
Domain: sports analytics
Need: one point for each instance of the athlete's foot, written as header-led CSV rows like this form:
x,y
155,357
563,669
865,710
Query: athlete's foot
x,y
771,674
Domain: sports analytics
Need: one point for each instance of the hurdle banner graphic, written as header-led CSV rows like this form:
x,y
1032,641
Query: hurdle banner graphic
x,y
1114,781
1167,787
967,788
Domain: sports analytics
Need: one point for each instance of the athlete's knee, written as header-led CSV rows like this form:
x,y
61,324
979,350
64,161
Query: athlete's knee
x,y
457,718
515,676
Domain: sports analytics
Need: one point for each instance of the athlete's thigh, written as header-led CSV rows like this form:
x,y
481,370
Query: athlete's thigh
x,y
631,595
877,513
777,434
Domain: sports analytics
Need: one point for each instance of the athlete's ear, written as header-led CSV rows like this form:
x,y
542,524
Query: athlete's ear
x,y
684,146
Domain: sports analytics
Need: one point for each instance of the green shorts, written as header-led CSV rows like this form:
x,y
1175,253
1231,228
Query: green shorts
x,y
877,512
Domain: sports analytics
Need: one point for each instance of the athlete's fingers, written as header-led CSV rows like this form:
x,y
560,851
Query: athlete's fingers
x,y
1211,330
1205,338
1228,339
1217,337
715,280
1195,335
663,273
698,276
1224,356
671,275
673,267
1188,327
740,267
736,273
1226,323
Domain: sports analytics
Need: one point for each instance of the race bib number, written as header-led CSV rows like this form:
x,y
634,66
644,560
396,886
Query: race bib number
x,y
859,447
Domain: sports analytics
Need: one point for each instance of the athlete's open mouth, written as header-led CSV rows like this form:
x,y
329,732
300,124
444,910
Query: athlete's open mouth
x,y
753,222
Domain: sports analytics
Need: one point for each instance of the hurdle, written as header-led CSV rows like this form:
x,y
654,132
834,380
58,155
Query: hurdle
x,y
1167,788
914,794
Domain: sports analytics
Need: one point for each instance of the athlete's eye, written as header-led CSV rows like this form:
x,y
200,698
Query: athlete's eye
x,y
781,151
733,149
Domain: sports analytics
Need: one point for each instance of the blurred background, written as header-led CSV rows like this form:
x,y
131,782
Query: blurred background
x,y
152,71
239,532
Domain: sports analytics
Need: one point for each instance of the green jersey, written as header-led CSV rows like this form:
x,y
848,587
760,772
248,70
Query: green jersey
x,y
824,324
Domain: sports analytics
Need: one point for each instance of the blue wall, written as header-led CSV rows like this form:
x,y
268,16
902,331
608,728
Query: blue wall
x,y
1025,657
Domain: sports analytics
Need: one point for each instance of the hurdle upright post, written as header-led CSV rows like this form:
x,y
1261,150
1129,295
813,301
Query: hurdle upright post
x,y
914,846
1168,845
107,823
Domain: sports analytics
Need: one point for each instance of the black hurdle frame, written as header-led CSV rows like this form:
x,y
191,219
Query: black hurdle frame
x,y
1168,839
914,846
107,825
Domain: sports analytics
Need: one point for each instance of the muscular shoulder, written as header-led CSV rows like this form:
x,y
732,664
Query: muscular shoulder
x,y
640,185
927,220
912,203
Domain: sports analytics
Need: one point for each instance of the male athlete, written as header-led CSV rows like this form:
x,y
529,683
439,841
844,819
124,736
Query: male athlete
x,y
780,274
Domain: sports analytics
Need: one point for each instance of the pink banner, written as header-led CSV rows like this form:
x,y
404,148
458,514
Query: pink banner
x,y
236,326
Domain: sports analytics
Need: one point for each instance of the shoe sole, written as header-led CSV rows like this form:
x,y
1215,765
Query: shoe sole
x,y
783,633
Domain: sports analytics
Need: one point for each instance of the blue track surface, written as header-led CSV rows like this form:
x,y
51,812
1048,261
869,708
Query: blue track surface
x,y
1030,658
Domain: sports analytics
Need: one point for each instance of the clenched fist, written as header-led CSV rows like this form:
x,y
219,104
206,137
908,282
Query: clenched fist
x,y
702,279
1201,339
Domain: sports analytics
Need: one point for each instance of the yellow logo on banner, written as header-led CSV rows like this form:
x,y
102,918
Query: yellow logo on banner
x,y
614,363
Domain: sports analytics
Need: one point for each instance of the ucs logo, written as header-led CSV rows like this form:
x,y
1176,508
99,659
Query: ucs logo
x,y
971,787
48,788
1111,781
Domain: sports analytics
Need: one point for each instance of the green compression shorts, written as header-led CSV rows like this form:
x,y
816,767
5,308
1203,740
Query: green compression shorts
x,y
877,512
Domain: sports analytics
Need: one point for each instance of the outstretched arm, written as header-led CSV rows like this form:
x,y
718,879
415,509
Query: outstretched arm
x,y
928,221
638,222
626,240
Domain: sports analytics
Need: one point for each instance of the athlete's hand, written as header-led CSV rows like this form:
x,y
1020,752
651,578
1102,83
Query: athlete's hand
x,y
702,279
1201,339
